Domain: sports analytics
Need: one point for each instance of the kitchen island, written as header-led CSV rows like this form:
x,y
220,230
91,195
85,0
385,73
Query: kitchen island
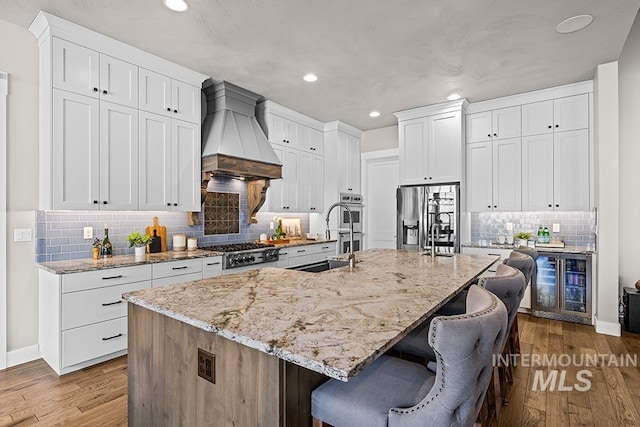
x,y
276,334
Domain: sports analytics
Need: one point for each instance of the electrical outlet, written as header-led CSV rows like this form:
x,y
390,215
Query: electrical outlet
x,y
271,225
88,233
556,228
207,366
22,235
509,226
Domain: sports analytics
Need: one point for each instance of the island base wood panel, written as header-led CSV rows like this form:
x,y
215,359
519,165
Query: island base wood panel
x,y
251,388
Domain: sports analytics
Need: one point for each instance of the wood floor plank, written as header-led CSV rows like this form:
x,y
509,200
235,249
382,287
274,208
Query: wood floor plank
x,y
557,410
579,416
532,417
602,409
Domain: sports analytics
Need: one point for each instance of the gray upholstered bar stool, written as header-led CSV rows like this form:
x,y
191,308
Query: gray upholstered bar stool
x,y
518,259
392,392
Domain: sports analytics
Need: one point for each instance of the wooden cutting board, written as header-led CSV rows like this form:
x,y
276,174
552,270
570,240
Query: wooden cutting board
x,y
161,231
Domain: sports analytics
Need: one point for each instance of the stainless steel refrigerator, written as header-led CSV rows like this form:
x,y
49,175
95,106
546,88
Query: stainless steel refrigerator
x,y
563,288
425,211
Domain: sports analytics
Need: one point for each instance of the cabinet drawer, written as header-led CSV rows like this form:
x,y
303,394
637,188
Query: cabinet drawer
x,y
96,305
109,277
89,342
211,267
176,268
174,280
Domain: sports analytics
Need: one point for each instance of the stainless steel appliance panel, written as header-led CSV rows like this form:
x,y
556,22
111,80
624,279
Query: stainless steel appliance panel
x,y
344,244
354,201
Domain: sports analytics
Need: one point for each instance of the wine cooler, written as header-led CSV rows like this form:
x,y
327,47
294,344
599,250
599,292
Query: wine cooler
x,y
563,288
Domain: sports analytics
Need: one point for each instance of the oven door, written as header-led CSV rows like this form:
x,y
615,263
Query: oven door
x,y
343,242
356,212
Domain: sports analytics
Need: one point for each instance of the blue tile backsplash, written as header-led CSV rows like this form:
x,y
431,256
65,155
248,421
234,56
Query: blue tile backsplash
x,y
59,234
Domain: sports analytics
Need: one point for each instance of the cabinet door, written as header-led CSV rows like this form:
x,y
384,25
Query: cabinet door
x,y
413,156
76,151
293,134
571,170
507,188
185,100
303,183
155,93
185,168
571,113
118,157
507,123
290,168
118,81
479,127
75,68
353,164
479,177
537,118
310,140
316,142
277,130
275,193
316,187
155,162
537,173
445,141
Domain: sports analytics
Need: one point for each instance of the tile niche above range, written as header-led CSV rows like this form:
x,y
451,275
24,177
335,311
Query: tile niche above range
x,y
222,213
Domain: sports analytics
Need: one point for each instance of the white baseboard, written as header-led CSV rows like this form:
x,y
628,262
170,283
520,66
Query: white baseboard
x,y
23,355
608,328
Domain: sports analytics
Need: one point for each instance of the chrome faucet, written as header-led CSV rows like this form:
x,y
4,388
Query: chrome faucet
x,y
433,240
352,256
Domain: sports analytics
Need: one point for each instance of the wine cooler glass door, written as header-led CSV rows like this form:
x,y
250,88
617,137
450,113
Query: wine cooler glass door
x,y
546,291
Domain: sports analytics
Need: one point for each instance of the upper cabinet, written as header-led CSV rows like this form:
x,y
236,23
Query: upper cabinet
x,y
558,115
431,144
298,143
99,146
162,95
491,125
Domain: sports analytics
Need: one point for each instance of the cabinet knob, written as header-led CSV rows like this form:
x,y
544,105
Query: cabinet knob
x,y
168,204
557,206
95,202
104,91
175,111
175,204
284,140
95,89
169,110
549,126
104,202
489,135
489,206
557,126
495,134
549,205
495,206
430,178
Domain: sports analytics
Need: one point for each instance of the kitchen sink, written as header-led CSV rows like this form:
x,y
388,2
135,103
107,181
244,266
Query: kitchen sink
x,y
318,267
444,254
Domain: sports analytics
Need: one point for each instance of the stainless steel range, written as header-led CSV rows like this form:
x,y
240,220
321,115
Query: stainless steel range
x,y
239,257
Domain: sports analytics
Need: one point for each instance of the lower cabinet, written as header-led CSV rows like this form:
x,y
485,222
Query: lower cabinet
x,y
525,304
174,272
308,254
82,317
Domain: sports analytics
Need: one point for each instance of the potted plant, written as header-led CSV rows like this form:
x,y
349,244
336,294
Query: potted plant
x,y
522,238
138,242
279,233
97,247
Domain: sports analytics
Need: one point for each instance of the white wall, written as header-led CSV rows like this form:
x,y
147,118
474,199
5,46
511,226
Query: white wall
x,y
379,139
607,181
629,108
19,58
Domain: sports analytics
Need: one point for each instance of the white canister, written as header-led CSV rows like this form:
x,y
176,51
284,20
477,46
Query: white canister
x,y
263,237
179,242
192,244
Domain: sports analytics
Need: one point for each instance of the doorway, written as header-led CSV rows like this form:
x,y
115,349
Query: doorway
x,y
381,178
4,89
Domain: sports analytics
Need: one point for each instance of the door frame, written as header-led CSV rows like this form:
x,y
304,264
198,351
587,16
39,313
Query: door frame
x,y
366,159
4,90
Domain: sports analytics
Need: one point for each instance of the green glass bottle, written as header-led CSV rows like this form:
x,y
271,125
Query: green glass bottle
x,y
547,238
107,250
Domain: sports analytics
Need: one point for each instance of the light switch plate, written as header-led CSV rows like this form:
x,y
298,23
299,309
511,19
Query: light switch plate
x,y
509,226
88,233
556,228
21,234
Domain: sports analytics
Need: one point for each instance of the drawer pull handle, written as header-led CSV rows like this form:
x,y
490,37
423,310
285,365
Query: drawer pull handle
x,y
179,268
495,254
111,303
302,250
325,247
213,263
110,338
112,277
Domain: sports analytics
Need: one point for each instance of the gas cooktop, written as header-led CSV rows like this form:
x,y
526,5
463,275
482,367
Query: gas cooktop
x,y
237,255
236,247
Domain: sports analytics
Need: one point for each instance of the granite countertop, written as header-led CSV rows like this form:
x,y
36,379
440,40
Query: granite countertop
x,y
90,264
335,322
303,242
566,249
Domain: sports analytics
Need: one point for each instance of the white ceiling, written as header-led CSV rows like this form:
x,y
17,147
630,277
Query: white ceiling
x,y
368,54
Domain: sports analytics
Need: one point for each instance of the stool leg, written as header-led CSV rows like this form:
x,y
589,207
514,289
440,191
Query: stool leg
x,y
514,336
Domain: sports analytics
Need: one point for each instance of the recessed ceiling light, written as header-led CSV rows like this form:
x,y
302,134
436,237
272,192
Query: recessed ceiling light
x,y
310,77
453,97
573,24
374,114
176,5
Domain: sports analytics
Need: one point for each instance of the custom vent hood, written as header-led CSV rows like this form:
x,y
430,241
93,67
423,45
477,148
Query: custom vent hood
x,y
233,143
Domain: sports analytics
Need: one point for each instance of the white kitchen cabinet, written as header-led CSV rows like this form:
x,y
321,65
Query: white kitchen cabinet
x,y
284,195
349,173
558,115
211,267
503,123
445,144
95,154
169,97
303,196
413,151
169,164
86,72
493,176
174,272
555,171
309,254
311,140
84,320
316,184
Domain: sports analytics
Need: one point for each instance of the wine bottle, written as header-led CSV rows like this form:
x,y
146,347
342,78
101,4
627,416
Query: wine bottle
x,y
545,233
106,244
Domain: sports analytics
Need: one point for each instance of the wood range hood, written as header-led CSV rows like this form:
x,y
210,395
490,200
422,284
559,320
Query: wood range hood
x,y
234,144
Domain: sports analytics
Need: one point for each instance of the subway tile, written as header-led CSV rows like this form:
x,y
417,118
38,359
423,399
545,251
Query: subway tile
x,y
41,246
59,257
53,249
58,241
41,258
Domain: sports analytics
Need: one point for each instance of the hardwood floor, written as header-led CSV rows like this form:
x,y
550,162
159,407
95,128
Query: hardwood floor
x,y
32,394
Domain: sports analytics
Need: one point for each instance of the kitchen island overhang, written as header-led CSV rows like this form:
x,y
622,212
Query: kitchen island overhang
x,y
274,322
